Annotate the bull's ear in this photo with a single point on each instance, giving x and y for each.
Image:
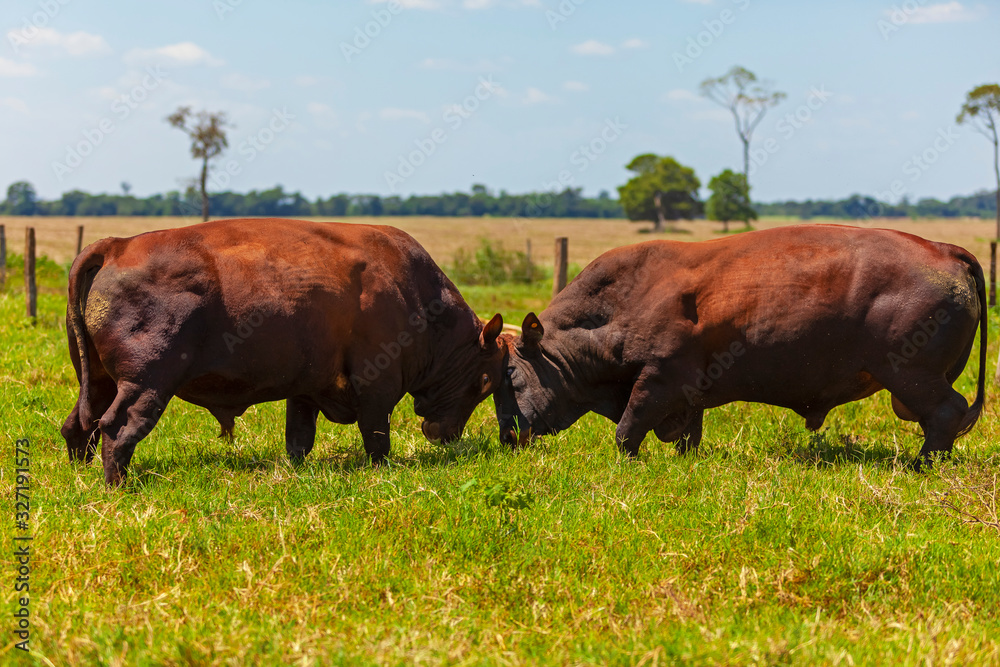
(488, 337)
(531, 329)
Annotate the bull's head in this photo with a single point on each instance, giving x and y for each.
(532, 399)
(473, 373)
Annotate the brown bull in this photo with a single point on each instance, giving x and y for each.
(334, 318)
(807, 317)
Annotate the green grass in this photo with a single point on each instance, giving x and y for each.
(770, 546)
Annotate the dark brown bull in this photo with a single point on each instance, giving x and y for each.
(806, 317)
(334, 318)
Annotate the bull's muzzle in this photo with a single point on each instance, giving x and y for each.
(513, 434)
(437, 432)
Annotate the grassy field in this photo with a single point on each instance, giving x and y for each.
(770, 546)
(56, 237)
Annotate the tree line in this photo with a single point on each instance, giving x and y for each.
(276, 202)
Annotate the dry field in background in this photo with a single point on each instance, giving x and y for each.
(588, 238)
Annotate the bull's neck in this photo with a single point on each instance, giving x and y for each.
(443, 349)
(590, 362)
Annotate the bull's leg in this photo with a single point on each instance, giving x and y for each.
(683, 429)
(81, 429)
(938, 409)
(941, 427)
(300, 426)
(691, 438)
(649, 401)
(373, 422)
(131, 417)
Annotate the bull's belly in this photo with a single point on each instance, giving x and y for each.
(803, 395)
(232, 395)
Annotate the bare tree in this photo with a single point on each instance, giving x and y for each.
(982, 111)
(747, 99)
(208, 139)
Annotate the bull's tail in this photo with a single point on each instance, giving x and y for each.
(976, 409)
(81, 277)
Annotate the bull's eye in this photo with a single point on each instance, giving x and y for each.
(486, 381)
(510, 372)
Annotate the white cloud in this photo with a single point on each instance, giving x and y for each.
(410, 4)
(945, 12)
(14, 103)
(75, 44)
(681, 95)
(576, 87)
(324, 116)
(593, 48)
(11, 68)
(394, 114)
(244, 83)
(464, 4)
(635, 43)
(534, 96)
(488, 4)
(178, 55)
(307, 80)
(714, 115)
(446, 64)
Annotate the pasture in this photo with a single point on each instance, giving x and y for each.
(771, 545)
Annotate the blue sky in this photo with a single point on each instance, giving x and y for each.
(522, 95)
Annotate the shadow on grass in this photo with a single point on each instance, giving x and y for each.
(825, 449)
(346, 459)
(736, 230)
(835, 449)
(668, 230)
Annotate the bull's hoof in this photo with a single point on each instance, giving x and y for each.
(683, 448)
(297, 457)
(115, 480)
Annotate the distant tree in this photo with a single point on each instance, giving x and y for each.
(982, 111)
(126, 187)
(730, 199)
(21, 199)
(207, 132)
(663, 190)
(747, 99)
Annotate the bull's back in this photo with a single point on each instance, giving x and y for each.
(802, 272)
(816, 310)
(255, 303)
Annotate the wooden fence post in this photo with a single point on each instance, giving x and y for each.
(3, 257)
(529, 268)
(993, 273)
(30, 286)
(79, 239)
(562, 258)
